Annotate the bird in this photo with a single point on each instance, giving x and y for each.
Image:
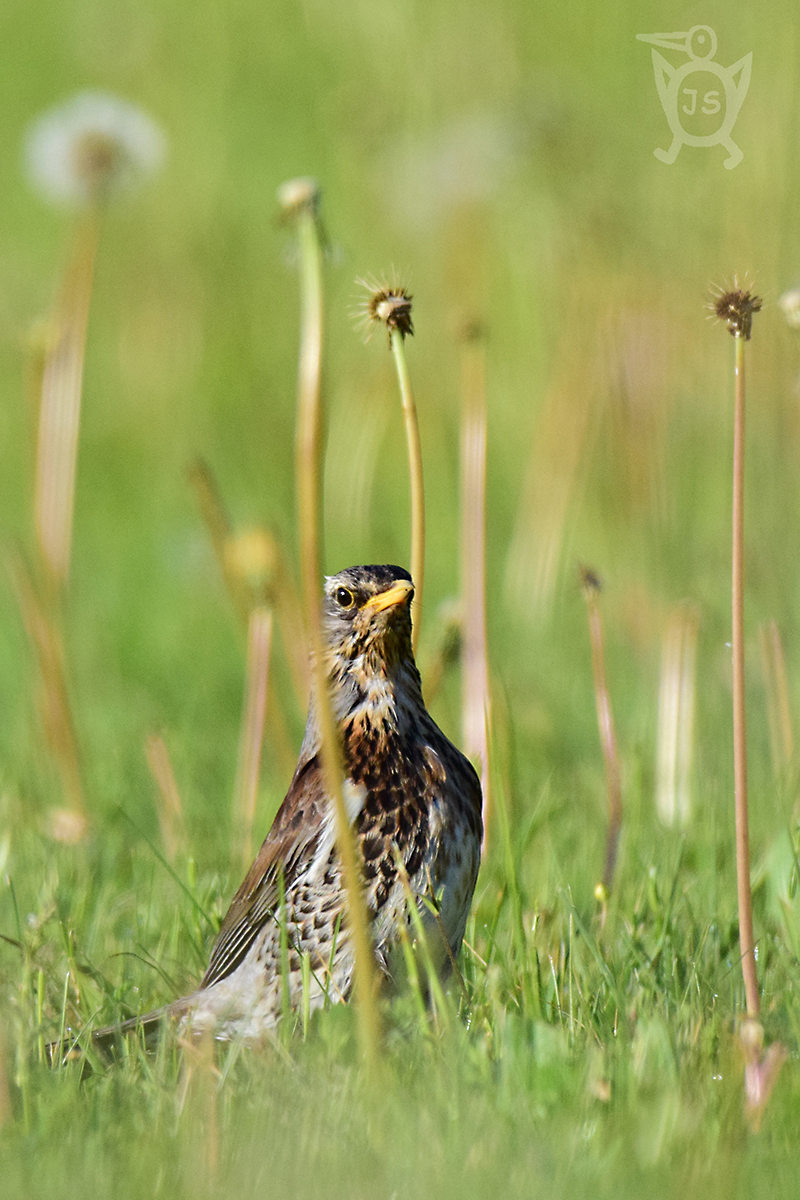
(414, 802)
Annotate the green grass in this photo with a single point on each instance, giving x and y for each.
(579, 1062)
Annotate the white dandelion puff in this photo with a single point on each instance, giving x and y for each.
(92, 146)
(789, 303)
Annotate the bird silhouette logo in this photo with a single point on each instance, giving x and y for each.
(701, 99)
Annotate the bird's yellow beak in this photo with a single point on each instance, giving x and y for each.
(398, 593)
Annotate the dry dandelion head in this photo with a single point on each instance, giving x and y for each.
(735, 306)
(386, 304)
(589, 579)
(91, 147)
(298, 195)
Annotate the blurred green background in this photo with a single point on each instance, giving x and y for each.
(498, 158)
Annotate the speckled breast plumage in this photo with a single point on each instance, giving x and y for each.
(415, 804)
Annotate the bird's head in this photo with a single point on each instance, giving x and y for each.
(367, 631)
(366, 618)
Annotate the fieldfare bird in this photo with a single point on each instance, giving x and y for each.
(413, 799)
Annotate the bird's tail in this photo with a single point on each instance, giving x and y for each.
(107, 1042)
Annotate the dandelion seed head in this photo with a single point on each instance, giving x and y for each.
(91, 147)
(297, 194)
(386, 304)
(589, 579)
(735, 306)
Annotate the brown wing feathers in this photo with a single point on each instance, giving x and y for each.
(289, 843)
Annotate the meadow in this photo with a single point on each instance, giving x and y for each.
(498, 158)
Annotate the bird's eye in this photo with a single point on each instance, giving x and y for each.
(344, 597)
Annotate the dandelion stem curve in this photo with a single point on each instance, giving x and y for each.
(397, 342)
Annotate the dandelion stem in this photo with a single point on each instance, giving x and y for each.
(476, 697)
(251, 734)
(777, 688)
(309, 421)
(746, 938)
(59, 727)
(308, 493)
(397, 341)
(60, 407)
(170, 809)
(676, 716)
(605, 723)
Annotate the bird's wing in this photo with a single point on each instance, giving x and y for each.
(290, 843)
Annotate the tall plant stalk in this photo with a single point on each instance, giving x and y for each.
(746, 936)
(397, 339)
(777, 687)
(251, 733)
(170, 809)
(736, 309)
(60, 408)
(391, 306)
(301, 198)
(476, 696)
(69, 823)
(761, 1068)
(605, 724)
